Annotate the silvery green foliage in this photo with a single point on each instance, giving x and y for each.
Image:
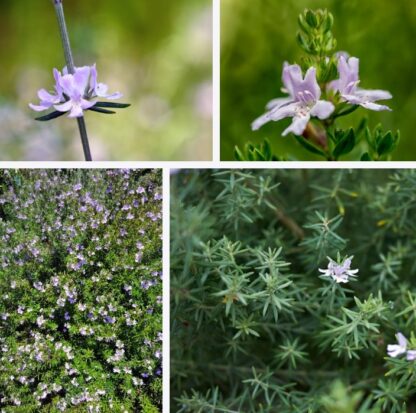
(80, 282)
(256, 327)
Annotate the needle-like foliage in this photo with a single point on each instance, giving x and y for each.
(257, 327)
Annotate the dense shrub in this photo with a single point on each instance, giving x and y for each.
(256, 327)
(80, 281)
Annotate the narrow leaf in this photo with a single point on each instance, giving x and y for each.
(50, 116)
(107, 112)
(111, 105)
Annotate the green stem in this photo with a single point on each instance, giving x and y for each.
(71, 69)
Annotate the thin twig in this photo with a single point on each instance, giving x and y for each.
(71, 69)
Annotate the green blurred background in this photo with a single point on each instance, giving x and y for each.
(258, 36)
(158, 53)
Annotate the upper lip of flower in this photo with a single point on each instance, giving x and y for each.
(302, 103)
(395, 350)
(74, 93)
(347, 86)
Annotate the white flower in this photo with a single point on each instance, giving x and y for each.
(339, 272)
(394, 350)
(40, 321)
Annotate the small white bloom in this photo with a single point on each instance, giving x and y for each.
(339, 272)
(40, 321)
(394, 350)
(411, 355)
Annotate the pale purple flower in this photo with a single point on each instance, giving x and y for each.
(74, 93)
(394, 350)
(339, 272)
(40, 321)
(109, 320)
(347, 86)
(302, 103)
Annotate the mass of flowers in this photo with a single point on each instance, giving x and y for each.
(81, 291)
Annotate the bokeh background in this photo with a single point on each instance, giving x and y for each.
(158, 53)
(258, 36)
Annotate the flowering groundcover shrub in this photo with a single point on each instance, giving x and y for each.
(293, 291)
(80, 281)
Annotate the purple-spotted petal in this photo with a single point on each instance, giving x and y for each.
(322, 109)
(304, 90)
(298, 125)
(311, 84)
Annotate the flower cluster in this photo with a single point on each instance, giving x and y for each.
(80, 317)
(304, 101)
(75, 93)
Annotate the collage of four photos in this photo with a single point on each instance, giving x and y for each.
(207, 206)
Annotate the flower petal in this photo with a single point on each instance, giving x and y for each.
(275, 114)
(93, 77)
(101, 90)
(45, 96)
(298, 125)
(81, 79)
(38, 108)
(291, 76)
(401, 339)
(375, 106)
(373, 95)
(322, 110)
(76, 111)
(67, 84)
(64, 107)
(86, 104)
(311, 84)
(113, 96)
(278, 102)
